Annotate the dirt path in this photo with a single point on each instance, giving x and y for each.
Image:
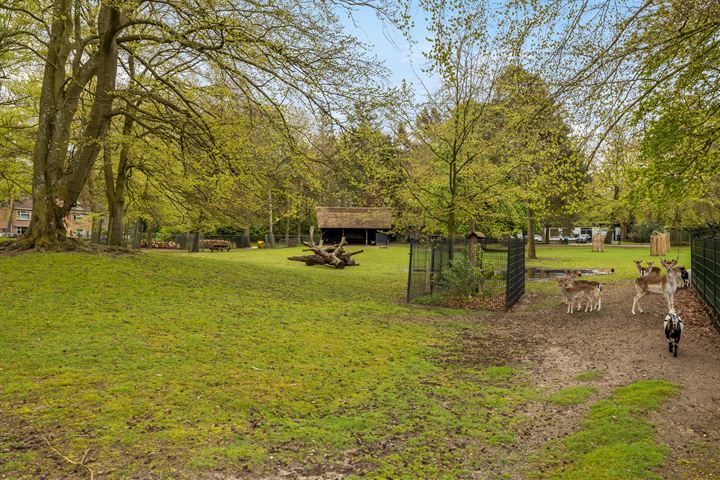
(628, 348)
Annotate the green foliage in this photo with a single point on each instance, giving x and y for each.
(461, 278)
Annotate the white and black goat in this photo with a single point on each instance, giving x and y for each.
(685, 276)
(673, 331)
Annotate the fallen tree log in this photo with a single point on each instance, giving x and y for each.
(333, 256)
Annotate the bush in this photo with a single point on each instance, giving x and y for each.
(461, 278)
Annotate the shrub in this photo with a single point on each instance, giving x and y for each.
(461, 278)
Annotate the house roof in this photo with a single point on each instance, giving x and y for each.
(354, 217)
(24, 204)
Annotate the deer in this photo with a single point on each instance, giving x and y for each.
(577, 291)
(642, 271)
(658, 285)
(652, 270)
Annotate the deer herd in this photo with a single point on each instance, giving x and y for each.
(651, 280)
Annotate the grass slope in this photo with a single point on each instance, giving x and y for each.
(243, 362)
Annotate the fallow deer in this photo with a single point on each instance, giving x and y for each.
(642, 271)
(577, 291)
(659, 285)
(652, 270)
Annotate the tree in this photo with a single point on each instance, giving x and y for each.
(530, 135)
(648, 65)
(290, 50)
(449, 176)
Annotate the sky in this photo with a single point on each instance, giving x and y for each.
(404, 59)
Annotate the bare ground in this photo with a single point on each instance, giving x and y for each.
(627, 348)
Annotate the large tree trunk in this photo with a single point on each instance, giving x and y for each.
(623, 230)
(57, 178)
(195, 242)
(531, 233)
(115, 187)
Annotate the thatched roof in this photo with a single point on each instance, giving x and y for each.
(354, 217)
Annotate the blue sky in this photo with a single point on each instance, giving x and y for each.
(403, 58)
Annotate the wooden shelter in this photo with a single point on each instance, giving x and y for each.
(359, 225)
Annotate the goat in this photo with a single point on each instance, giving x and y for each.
(576, 292)
(642, 271)
(659, 285)
(685, 275)
(674, 328)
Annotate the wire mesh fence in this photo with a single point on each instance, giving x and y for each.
(459, 267)
(705, 270)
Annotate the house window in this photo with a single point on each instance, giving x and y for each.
(24, 214)
(586, 231)
(78, 216)
(79, 233)
(20, 230)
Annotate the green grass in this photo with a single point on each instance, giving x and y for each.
(571, 395)
(242, 364)
(246, 363)
(620, 258)
(615, 441)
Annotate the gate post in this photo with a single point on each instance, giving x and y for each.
(410, 268)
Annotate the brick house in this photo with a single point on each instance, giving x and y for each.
(15, 219)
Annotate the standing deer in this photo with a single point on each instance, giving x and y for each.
(579, 291)
(652, 270)
(642, 271)
(659, 285)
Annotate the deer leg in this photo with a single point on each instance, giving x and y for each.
(636, 301)
(669, 300)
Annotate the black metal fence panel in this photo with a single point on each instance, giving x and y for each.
(486, 266)
(515, 272)
(705, 271)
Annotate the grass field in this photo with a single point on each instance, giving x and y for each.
(244, 363)
(619, 258)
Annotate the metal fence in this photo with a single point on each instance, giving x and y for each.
(515, 287)
(486, 265)
(705, 270)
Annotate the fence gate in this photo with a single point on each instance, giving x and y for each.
(705, 271)
(515, 287)
(501, 264)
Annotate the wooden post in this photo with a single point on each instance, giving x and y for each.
(366, 237)
(472, 241)
(598, 243)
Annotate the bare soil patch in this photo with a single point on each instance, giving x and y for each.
(626, 348)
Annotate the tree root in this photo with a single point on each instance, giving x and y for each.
(80, 463)
(26, 244)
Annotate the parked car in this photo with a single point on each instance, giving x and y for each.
(567, 239)
(583, 238)
(538, 238)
